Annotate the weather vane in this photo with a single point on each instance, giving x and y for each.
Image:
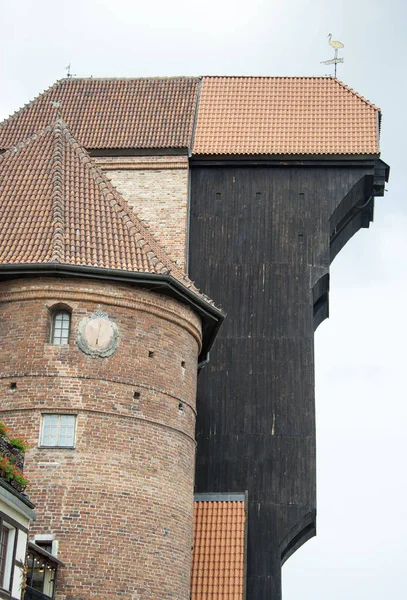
(68, 71)
(335, 60)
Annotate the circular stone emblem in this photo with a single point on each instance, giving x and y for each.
(97, 335)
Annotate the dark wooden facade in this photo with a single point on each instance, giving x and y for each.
(262, 237)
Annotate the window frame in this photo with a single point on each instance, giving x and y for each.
(42, 539)
(49, 580)
(7, 574)
(4, 546)
(42, 430)
(54, 311)
(54, 329)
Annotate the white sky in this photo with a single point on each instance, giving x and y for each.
(361, 547)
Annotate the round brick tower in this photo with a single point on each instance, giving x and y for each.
(101, 334)
(119, 500)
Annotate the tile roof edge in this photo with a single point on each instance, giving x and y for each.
(24, 143)
(149, 148)
(156, 77)
(125, 275)
(267, 77)
(355, 93)
(26, 106)
(279, 156)
(220, 497)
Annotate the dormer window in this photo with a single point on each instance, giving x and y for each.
(61, 324)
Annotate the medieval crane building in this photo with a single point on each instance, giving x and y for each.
(137, 216)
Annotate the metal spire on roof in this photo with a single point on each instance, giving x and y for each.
(68, 71)
(335, 60)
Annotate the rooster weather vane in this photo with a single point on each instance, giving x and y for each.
(335, 60)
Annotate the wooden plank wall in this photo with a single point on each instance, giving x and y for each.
(259, 242)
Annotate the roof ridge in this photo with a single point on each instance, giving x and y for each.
(163, 77)
(267, 77)
(355, 93)
(58, 196)
(26, 106)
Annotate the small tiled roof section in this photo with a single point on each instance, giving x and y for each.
(112, 113)
(56, 206)
(284, 116)
(219, 550)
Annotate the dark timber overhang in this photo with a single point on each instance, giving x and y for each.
(300, 534)
(270, 160)
(355, 212)
(167, 285)
(357, 207)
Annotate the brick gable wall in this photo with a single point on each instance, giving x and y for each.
(157, 189)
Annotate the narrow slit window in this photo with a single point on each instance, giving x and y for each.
(61, 327)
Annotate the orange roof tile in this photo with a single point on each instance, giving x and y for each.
(112, 113)
(219, 550)
(56, 206)
(282, 116)
(234, 115)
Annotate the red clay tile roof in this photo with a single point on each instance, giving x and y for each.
(234, 115)
(56, 206)
(283, 115)
(219, 550)
(112, 113)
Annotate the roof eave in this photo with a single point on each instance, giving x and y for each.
(284, 159)
(211, 317)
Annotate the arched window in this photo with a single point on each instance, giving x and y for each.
(61, 324)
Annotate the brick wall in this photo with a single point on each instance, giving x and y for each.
(121, 503)
(157, 188)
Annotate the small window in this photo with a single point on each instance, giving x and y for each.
(47, 542)
(61, 323)
(58, 431)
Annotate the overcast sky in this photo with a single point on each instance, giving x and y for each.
(361, 548)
